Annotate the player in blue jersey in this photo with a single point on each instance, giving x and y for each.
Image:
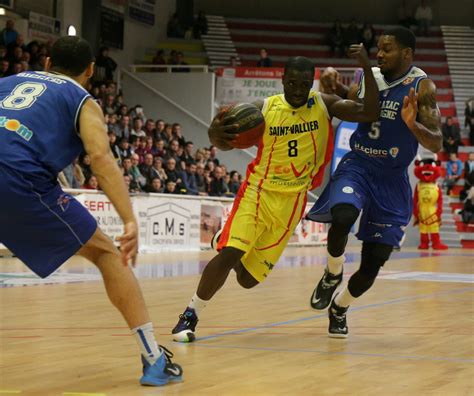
(372, 178)
(46, 120)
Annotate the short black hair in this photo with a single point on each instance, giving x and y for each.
(299, 63)
(404, 36)
(71, 55)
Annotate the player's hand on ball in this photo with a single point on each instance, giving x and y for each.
(222, 131)
(329, 80)
(357, 51)
(410, 108)
(129, 243)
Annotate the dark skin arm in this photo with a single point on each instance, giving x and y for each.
(423, 106)
(350, 110)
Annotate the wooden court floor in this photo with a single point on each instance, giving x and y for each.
(411, 334)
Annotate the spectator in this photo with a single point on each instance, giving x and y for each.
(123, 129)
(180, 62)
(33, 50)
(72, 176)
(336, 39)
(423, 16)
(453, 172)
(3, 52)
(189, 179)
(469, 120)
(177, 132)
(135, 171)
(171, 172)
(201, 180)
(157, 169)
(132, 186)
(40, 63)
(18, 43)
(367, 35)
(467, 214)
(125, 151)
(91, 183)
(167, 134)
(172, 151)
(138, 128)
(200, 25)
(17, 68)
(159, 128)
(15, 55)
(468, 176)
(352, 34)
(187, 155)
(170, 187)
(233, 61)
(104, 66)
(213, 155)
(109, 105)
(5, 68)
(113, 125)
(174, 28)
(146, 168)
(85, 164)
(159, 59)
(265, 60)
(405, 16)
(122, 111)
(24, 65)
(218, 188)
(451, 136)
(234, 184)
(113, 146)
(159, 148)
(137, 111)
(149, 128)
(155, 186)
(8, 34)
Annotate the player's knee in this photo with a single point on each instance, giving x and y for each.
(244, 278)
(98, 246)
(230, 257)
(360, 282)
(343, 217)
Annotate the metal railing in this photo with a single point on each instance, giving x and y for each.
(168, 68)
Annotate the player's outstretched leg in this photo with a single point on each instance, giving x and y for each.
(343, 218)
(212, 279)
(124, 292)
(374, 256)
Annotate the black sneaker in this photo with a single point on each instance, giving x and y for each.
(184, 329)
(321, 297)
(337, 321)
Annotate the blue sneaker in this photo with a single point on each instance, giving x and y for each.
(186, 326)
(162, 372)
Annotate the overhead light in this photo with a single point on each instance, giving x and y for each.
(2, 11)
(71, 30)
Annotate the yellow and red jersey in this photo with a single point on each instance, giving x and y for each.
(295, 148)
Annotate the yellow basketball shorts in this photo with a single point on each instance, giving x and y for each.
(260, 224)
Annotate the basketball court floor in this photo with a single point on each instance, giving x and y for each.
(411, 334)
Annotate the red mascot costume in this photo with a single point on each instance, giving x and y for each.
(428, 203)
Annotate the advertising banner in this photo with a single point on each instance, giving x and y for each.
(249, 84)
(167, 223)
(142, 11)
(43, 27)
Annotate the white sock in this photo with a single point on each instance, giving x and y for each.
(335, 264)
(197, 304)
(146, 341)
(344, 298)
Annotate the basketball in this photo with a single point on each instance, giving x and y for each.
(251, 124)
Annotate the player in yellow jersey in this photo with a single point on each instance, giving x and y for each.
(296, 146)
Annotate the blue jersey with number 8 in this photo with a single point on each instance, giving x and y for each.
(38, 124)
(388, 143)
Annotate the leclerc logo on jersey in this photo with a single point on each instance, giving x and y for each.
(394, 152)
(15, 126)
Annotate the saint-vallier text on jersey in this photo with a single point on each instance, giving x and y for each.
(294, 129)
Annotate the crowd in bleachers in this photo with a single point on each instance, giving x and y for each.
(153, 154)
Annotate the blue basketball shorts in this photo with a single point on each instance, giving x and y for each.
(43, 228)
(383, 195)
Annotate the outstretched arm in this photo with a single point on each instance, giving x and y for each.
(423, 106)
(350, 110)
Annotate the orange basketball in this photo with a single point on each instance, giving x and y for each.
(251, 124)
